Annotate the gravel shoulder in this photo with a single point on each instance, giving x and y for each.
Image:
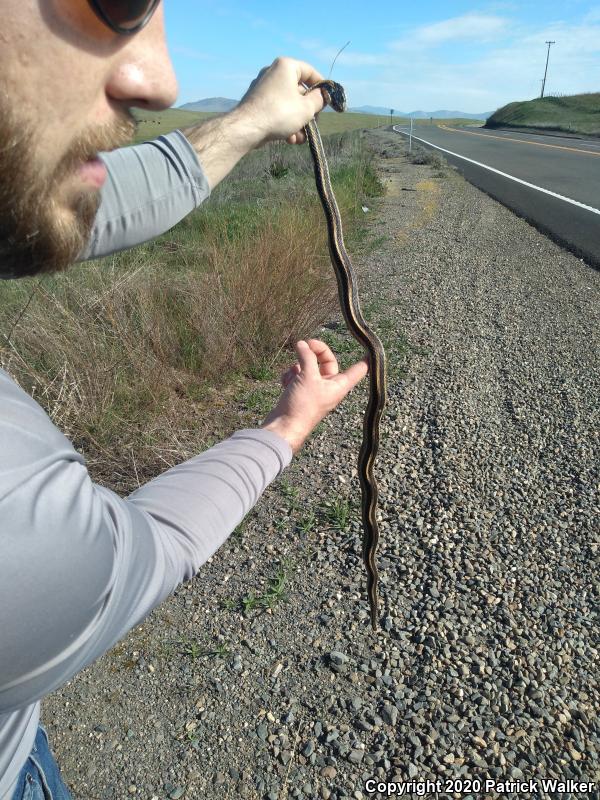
(486, 666)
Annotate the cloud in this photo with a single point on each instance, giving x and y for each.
(417, 72)
(326, 54)
(480, 27)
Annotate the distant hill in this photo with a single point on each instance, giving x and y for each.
(214, 104)
(384, 111)
(226, 104)
(210, 104)
(575, 113)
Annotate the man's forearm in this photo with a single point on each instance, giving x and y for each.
(274, 108)
(220, 142)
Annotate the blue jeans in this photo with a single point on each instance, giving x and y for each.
(40, 777)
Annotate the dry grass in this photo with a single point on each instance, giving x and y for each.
(151, 351)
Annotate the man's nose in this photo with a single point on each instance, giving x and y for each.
(143, 74)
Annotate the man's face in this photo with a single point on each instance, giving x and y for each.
(66, 85)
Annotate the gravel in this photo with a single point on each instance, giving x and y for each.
(486, 663)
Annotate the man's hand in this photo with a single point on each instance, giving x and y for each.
(274, 107)
(277, 106)
(312, 388)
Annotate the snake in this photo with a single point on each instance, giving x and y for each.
(335, 96)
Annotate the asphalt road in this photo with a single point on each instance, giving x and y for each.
(552, 165)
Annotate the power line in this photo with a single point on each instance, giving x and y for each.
(546, 70)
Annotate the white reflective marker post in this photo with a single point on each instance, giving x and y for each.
(410, 137)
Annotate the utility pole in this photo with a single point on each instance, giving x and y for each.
(546, 70)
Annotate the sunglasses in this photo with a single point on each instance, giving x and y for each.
(124, 16)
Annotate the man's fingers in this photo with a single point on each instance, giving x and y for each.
(327, 361)
(297, 138)
(306, 357)
(307, 73)
(316, 359)
(351, 376)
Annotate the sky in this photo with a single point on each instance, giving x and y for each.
(420, 55)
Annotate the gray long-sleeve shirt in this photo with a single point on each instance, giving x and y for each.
(79, 565)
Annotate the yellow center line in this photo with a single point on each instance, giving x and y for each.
(522, 141)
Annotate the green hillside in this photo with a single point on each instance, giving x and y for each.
(576, 113)
(153, 123)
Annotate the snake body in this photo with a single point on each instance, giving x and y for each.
(334, 95)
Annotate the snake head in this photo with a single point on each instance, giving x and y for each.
(333, 94)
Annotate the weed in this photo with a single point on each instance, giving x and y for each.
(420, 155)
(291, 493)
(249, 603)
(261, 371)
(278, 169)
(275, 592)
(337, 511)
(192, 649)
(307, 522)
(221, 651)
(195, 649)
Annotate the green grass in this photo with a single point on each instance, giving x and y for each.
(338, 510)
(154, 123)
(275, 593)
(261, 371)
(261, 401)
(287, 490)
(306, 523)
(577, 113)
(291, 494)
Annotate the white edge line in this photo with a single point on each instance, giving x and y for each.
(504, 174)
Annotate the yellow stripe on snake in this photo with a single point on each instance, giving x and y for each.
(334, 95)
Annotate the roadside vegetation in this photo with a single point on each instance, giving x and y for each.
(146, 357)
(577, 113)
(153, 123)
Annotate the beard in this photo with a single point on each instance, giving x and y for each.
(44, 227)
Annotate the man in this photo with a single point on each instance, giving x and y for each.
(80, 566)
